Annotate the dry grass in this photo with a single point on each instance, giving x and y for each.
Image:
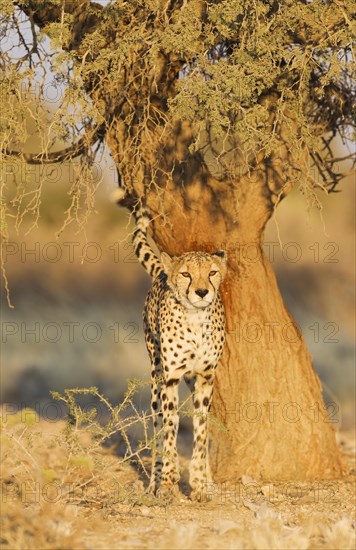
(60, 489)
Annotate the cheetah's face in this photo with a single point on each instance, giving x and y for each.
(195, 277)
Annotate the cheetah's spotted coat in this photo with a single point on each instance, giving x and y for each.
(184, 328)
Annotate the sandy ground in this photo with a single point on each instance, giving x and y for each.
(61, 490)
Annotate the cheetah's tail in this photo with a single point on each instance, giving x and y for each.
(143, 250)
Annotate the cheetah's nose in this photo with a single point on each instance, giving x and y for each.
(202, 292)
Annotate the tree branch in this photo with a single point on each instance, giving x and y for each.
(68, 153)
(86, 15)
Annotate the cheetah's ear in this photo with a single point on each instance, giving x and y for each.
(167, 262)
(221, 254)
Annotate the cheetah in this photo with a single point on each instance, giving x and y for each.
(184, 325)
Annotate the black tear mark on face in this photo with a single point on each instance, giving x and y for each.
(187, 291)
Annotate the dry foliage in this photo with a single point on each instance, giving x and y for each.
(247, 84)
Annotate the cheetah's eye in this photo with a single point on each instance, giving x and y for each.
(212, 273)
(185, 274)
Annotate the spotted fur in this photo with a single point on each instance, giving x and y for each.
(184, 328)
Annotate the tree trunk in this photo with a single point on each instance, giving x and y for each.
(266, 394)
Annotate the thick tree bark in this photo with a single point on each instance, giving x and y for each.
(266, 392)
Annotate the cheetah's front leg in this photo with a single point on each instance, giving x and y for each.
(170, 469)
(199, 471)
(156, 381)
(157, 444)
